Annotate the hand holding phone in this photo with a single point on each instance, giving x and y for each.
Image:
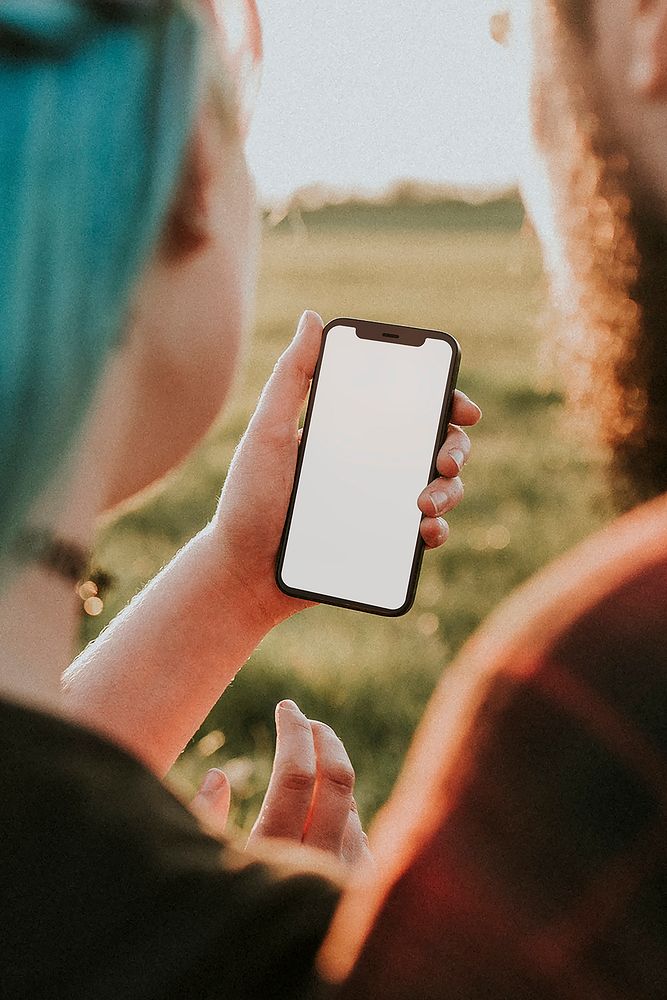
(378, 412)
(247, 528)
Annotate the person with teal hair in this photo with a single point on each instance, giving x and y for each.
(128, 233)
(84, 193)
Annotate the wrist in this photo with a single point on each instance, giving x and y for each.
(250, 603)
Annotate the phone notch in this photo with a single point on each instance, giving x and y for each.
(367, 330)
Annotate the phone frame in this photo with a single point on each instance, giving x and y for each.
(388, 333)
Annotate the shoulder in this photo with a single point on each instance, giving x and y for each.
(126, 894)
(625, 562)
(591, 624)
(68, 785)
(534, 790)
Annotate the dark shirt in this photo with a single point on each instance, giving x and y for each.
(109, 889)
(532, 863)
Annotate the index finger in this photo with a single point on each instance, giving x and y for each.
(288, 799)
(464, 411)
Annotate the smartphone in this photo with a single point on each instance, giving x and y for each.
(378, 412)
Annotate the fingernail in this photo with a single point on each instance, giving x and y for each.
(213, 782)
(458, 457)
(439, 500)
(302, 321)
(289, 706)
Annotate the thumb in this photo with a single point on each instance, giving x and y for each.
(285, 393)
(211, 803)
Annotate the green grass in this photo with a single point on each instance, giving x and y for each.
(532, 490)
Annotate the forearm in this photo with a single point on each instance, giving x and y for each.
(152, 676)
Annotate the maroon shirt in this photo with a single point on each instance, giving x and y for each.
(525, 851)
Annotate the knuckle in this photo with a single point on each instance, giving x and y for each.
(268, 826)
(340, 778)
(297, 779)
(289, 365)
(281, 365)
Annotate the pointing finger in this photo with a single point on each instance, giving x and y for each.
(288, 800)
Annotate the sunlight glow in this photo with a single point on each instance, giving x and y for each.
(360, 95)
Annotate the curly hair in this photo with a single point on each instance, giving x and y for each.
(615, 246)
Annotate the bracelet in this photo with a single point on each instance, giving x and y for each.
(67, 560)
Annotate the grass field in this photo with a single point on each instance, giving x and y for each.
(531, 488)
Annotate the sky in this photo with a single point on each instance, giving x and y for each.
(360, 93)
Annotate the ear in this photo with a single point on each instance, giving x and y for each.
(648, 49)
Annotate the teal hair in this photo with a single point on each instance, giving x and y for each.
(96, 108)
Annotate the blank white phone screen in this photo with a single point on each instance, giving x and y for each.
(367, 458)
